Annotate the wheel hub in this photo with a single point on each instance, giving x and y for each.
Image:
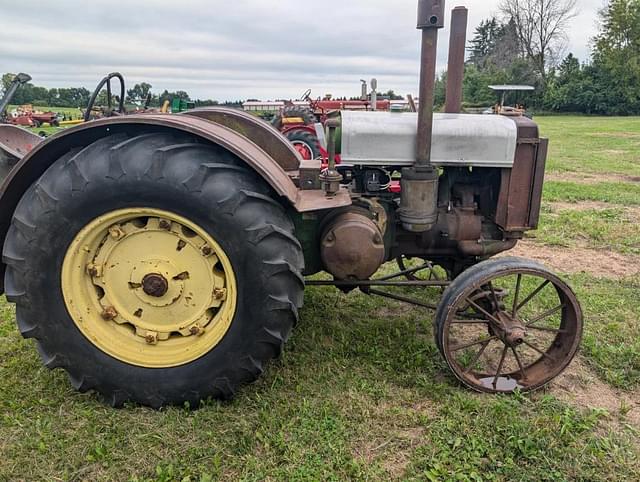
(155, 285)
(511, 331)
(149, 287)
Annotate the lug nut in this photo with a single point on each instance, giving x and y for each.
(164, 224)
(116, 232)
(151, 338)
(206, 250)
(109, 313)
(93, 270)
(195, 330)
(219, 293)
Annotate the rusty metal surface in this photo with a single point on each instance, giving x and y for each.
(352, 247)
(430, 19)
(457, 51)
(427, 85)
(262, 134)
(499, 336)
(431, 13)
(35, 163)
(317, 200)
(538, 183)
(17, 142)
(521, 187)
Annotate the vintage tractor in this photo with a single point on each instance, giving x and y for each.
(161, 259)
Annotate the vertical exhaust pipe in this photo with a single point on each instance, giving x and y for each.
(457, 49)
(419, 200)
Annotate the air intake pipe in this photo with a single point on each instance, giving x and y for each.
(419, 200)
(457, 50)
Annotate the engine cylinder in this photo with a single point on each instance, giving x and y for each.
(352, 247)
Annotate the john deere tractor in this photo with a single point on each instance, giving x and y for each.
(162, 259)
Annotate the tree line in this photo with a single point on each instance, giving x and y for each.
(79, 96)
(526, 45)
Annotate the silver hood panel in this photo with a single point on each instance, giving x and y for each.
(389, 139)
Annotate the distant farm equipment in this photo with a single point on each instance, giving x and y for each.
(27, 116)
(501, 107)
(24, 115)
(297, 121)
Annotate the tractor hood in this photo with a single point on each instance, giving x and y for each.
(389, 139)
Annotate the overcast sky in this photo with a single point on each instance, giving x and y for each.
(233, 49)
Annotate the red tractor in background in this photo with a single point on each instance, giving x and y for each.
(298, 123)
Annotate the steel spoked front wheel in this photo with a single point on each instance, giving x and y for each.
(508, 324)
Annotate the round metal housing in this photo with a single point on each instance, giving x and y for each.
(352, 247)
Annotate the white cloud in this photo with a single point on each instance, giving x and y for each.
(231, 49)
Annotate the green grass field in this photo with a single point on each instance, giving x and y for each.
(361, 392)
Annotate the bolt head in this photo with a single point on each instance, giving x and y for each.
(116, 232)
(164, 224)
(151, 338)
(219, 293)
(206, 250)
(109, 313)
(92, 270)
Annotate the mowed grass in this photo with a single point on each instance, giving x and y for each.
(361, 392)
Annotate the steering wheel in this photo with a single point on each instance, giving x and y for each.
(306, 95)
(107, 81)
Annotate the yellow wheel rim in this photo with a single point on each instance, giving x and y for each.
(149, 287)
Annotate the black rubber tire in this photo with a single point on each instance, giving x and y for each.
(305, 113)
(303, 137)
(201, 182)
(54, 123)
(36, 123)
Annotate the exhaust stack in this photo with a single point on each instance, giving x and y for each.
(19, 80)
(419, 201)
(455, 71)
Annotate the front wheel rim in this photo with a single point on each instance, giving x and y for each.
(149, 287)
(515, 330)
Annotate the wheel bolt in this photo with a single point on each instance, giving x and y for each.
(164, 224)
(219, 293)
(151, 338)
(195, 330)
(109, 313)
(93, 270)
(206, 250)
(116, 232)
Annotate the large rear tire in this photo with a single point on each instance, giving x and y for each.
(154, 269)
(305, 143)
(305, 113)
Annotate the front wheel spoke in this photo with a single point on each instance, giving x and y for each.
(473, 343)
(500, 365)
(477, 357)
(483, 311)
(548, 330)
(520, 365)
(516, 296)
(470, 322)
(546, 355)
(532, 295)
(494, 296)
(545, 315)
